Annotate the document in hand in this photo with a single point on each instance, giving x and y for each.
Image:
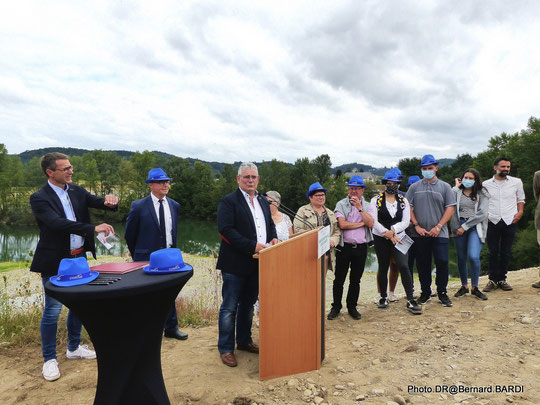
(404, 243)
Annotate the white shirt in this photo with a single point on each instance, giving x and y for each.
(258, 216)
(399, 227)
(75, 241)
(504, 196)
(168, 217)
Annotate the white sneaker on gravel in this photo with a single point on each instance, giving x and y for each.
(50, 370)
(82, 352)
(376, 299)
(392, 297)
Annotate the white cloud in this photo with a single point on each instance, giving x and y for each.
(370, 81)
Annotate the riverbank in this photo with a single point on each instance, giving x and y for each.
(388, 354)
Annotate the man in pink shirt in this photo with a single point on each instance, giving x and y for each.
(355, 222)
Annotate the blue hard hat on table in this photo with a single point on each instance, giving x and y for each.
(412, 180)
(157, 174)
(315, 187)
(165, 261)
(356, 181)
(73, 272)
(392, 175)
(428, 160)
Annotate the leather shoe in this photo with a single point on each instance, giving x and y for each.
(228, 359)
(250, 347)
(177, 334)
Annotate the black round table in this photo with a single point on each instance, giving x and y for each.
(125, 321)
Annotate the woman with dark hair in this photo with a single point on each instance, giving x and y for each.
(469, 226)
(391, 212)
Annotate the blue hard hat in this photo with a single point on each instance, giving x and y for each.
(392, 175)
(428, 160)
(315, 187)
(412, 180)
(157, 174)
(356, 181)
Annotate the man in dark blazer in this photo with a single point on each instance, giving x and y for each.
(246, 227)
(65, 231)
(152, 224)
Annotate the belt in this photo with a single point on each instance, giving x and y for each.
(354, 245)
(76, 251)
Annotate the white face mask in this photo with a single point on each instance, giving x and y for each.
(428, 174)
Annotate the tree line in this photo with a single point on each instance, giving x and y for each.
(198, 188)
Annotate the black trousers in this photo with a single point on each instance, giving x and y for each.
(384, 248)
(500, 238)
(353, 256)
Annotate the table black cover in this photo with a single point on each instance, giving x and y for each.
(125, 322)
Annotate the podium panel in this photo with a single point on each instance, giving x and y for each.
(290, 320)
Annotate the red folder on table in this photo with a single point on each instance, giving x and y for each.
(118, 268)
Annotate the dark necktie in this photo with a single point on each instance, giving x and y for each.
(162, 225)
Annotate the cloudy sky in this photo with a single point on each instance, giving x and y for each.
(363, 81)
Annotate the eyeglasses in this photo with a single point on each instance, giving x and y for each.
(319, 195)
(65, 169)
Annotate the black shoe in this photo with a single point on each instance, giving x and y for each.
(424, 298)
(462, 291)
(383, 303)
(354, 313)
(478, 294)
(444, 300)
(176, 334)
(413, 307)
(333, 314)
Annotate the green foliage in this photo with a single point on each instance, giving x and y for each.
(525, 249)
(409, 167)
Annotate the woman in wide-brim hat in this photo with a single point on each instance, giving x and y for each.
(315, 214)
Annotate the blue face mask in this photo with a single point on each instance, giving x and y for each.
(467, 183)
(428, 174)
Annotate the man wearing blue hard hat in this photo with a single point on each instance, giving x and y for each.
(355, 222)
(432, 202)
(151, 225)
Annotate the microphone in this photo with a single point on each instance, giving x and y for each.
(288, 211)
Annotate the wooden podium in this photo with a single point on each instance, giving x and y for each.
(291, 300)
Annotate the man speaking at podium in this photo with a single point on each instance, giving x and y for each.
(246, 227)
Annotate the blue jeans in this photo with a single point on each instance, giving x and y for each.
(239, 294)
(49, 325)
(468, 247)
(426, 247)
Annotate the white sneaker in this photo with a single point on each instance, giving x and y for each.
(392, 297)
(50, 370)
(82, 352)
(376, 299)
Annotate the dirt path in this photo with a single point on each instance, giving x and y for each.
(381, 359)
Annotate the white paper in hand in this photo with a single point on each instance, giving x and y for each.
(108, 241)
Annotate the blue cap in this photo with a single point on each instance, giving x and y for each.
(73, 272)
(412, 180)
(166, 261)
(315, 187)
(157, 175)
(356, 181)
(428, 160)
(392, 175)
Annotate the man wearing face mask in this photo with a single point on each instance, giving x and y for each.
(506, 203)
(432, 205)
